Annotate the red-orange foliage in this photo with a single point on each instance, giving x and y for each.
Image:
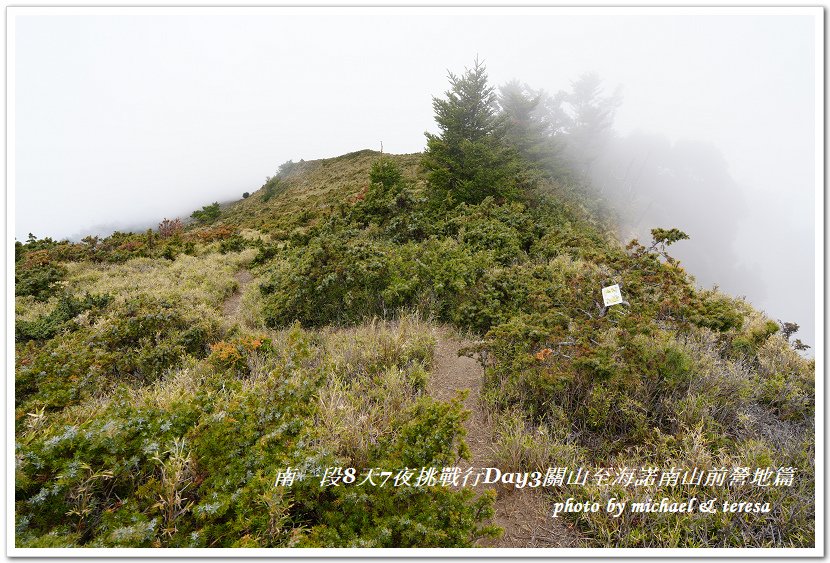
(168, 228)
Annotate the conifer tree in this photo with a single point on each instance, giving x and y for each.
(535, 122)
(469, 160)
(525, 130)
(593, 116)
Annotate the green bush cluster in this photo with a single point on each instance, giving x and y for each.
(39, 268)
(156, 468)
(360, 264)
(716, 312)
(271, 187)
(36, 270)
(59, 318)
(391, 205)
(207, 214)
(39, 281)
(40, 264)
(748, 342)
(137, 341)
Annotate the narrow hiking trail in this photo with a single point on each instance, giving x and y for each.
(230, 308)
(523, 513)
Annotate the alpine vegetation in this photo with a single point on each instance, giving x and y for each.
(264, 375)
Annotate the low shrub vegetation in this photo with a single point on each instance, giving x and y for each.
(161, 393)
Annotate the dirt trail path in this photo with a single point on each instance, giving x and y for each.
(523, 513)
(230, 308)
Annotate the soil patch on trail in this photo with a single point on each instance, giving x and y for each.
(231, 306)
(523, 513)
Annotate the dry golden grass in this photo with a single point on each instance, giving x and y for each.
(521, 447)
(253, 234)
(28, 309)
(251, 304)
(373, 372)
(314, 187)
(196, 281)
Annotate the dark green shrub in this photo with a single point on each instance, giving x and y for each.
(207, 214)
(234, 243)
(58, 320)
(271, 188)
(36, 271)
(391, 204)
(331, 280)
(716, 312)
(135, 342)
(39, 281)
(427, 435)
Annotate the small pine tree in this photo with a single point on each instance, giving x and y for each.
(788, 329)
(469, 160)
(661, 238)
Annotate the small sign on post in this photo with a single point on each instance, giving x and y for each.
(611, 295)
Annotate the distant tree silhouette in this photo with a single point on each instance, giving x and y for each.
(534, 122)
(592, 115)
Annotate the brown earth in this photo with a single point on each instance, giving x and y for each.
(523, 513)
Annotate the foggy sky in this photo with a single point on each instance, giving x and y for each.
(121, 120)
